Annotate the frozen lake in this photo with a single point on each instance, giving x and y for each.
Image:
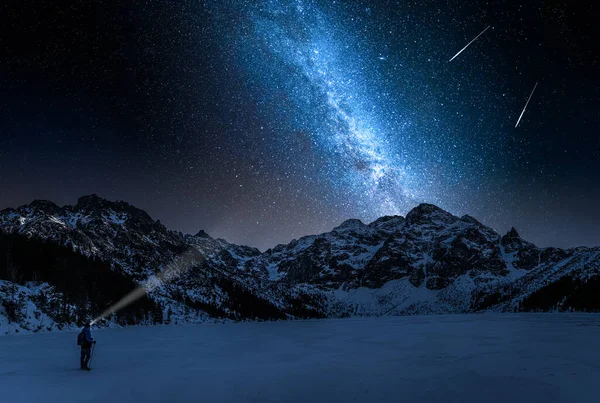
(464, 358)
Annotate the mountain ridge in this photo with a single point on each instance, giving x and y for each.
(430, 261)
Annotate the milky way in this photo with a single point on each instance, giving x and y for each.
(262, 121)
(331, 99)
(335, 91)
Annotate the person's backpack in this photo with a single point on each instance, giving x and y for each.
(80, 338)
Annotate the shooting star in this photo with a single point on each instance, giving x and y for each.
(460, 51)
(525, 107)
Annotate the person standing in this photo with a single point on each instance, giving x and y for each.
(86, 346)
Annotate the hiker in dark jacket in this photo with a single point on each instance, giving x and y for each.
(86, 346)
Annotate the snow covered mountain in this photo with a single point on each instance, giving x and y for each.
(428, 262)
(135, 247)
(112, 231)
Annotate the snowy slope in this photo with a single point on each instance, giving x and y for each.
(521, 358)
(33, 317)
(331, 259)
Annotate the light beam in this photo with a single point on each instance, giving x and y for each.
(176, 268)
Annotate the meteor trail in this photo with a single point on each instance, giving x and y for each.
(467, 45)
(525, 107)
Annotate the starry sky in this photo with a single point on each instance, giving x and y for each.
(263, 121)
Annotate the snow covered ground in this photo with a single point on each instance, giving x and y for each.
(462, 358)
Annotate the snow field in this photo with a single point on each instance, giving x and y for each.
(461, 358)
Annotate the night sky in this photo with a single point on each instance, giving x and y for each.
(262, 121)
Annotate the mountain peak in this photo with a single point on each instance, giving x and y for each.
(45, 205)
(469, 219)
(512, 237)
(95, 204)
(92, 200)
(202, 234)
(512, 234)
(351, 224)
(426, 212)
